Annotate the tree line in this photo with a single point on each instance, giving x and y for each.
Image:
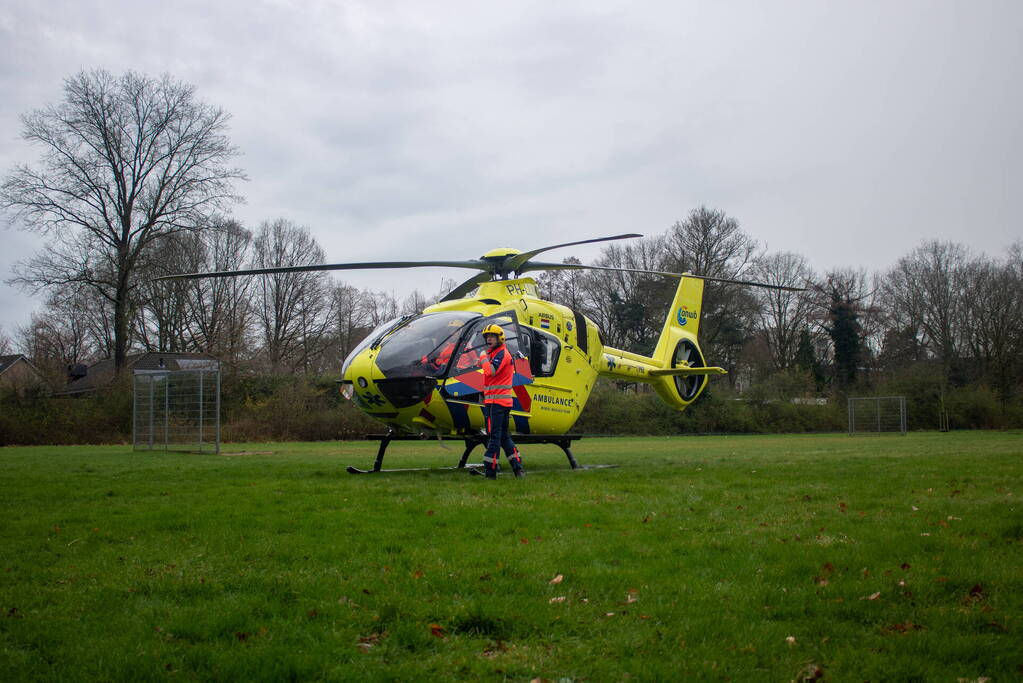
(941, 307)
(135, 181)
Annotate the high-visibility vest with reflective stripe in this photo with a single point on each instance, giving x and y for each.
(498, 372)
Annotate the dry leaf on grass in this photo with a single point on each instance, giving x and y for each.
(904, 628)
(557, 579)
(367, 642)
(811, 672)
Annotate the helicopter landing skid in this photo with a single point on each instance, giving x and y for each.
(471, 441)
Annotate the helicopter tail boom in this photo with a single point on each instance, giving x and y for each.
(677, 369)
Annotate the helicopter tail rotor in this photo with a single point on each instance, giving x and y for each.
(684, 372)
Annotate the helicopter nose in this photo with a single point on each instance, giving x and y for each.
(404, 392)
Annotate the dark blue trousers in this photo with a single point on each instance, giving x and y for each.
(497, 428)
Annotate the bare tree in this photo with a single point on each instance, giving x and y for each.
(59, 336)
(1014, 260)
(126, 160)
(629, 307)
(566, 287)
(709, 242)
(995, 327)
(202, 314)
(381, 307)
(219, 313)
(6, 345)
(352, 317)
(783, 315)
(293, 310)
(161, 317)
(414, 303)
(926, 291)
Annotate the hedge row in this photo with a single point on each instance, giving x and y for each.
(293, 409)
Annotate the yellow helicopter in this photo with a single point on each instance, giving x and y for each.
(418, 374)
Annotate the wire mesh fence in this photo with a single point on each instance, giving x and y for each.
(177, 410)
(877, 415)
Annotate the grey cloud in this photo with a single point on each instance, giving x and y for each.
(845, 131)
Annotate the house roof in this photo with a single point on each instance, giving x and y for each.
(172, 361)
(7, 362)
(101, 373)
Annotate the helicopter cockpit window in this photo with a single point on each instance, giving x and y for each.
(543, 360)
(377, 333)
(473, 344)
(423, 347)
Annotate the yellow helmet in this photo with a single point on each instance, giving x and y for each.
(494, 329)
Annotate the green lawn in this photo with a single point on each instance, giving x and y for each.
(771, 558)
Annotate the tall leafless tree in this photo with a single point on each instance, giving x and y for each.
(219, 313)
(6, 345)
(414, 303)
(59, 336)
(566, 287)
(709, 242)
(161, 318)
(783, 315)
(995, 322)
(927, 291)
(352, 317)
(381, 307)
(291, 309)
(126, 160)
(629, 307)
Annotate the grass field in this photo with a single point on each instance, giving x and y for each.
(770, 558)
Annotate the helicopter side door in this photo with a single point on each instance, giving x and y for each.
(465, 375)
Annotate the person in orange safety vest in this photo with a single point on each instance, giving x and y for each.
(440, 361)
(498, 371)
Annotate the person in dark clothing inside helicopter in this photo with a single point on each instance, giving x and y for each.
(498, 371)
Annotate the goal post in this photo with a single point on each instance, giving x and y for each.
(877, 415)
(177, 410)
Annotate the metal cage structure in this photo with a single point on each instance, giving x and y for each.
(177, 410)
(877, 415)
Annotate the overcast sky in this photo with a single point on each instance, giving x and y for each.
(848, 132)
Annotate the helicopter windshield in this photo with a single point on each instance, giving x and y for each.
(377, 332)
(423, 346)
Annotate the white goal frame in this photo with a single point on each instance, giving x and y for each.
(877, 415)
(177, 410)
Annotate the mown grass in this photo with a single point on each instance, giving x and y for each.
(706, 558)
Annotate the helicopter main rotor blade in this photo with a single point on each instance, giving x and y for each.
(748, 283)
(515, 262)
(467, 286)
(476, 265)
(579, 266)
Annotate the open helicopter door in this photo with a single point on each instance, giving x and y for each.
(465, 376)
